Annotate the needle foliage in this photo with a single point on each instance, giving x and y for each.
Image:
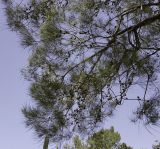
(85, 57)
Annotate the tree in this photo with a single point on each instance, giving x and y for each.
(88, 48)
(76, 144)
(47, 119)
(156, 146)
(103, 139)
(124, 146)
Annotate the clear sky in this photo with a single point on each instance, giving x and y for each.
(14, 94)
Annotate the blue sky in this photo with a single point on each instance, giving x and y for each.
(14, 94)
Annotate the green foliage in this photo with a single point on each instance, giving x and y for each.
(89, 4)
(124, 146)
(103, 139)
(76, 144)
(80, 52)
(48, 32)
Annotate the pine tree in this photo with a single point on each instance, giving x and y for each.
(86, 49)
(156, 146)
(103, 139)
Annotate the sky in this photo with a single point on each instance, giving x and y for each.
(14, 95)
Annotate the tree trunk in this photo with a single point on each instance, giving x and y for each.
(46, 142)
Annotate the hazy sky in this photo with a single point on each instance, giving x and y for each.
(14, 94)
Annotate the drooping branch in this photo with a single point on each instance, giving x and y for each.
(143, 23)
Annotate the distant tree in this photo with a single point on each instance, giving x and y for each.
(76, 144)
(86, 49)
(124, 146)
(156, 146)
(103, 139)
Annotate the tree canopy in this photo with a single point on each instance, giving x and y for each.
(156, 146)
(85, 57)
(103, 139)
